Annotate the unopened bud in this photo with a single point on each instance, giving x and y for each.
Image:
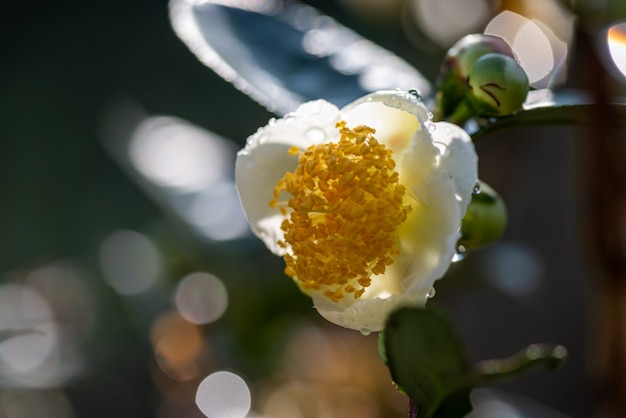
(461, 57)
(498, 85)
(485, 219)
(457, 64)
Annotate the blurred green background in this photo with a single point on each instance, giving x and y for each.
(73, 216)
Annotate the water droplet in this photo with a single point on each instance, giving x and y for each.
(460, 254)
(366, 331)
(431, 127)
(272, 122)
(289, 117)
(431, 293)
(476, 189)
(415, 93)
(315, 134)
(430, 115)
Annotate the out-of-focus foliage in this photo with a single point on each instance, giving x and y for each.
(104, 277)
(595, 14)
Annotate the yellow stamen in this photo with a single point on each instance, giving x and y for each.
(346, 206)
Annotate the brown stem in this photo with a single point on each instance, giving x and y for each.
(412, 409)
(605, 154)
(610, 361)
(607, 158)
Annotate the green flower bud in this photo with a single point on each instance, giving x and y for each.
(452, 79)
(485, 219)
(498, 85)
(461, 57)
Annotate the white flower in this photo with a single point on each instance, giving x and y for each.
(364, 203)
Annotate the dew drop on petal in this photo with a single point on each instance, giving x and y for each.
(430, 115)
(431, 293)
(460, 254)
(315, 134)
(366, 331)
(272, 122)
(476, 189)
(431, 126)
(415, 93)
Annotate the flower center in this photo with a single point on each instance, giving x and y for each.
(346, 205)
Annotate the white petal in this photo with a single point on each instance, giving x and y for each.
(437, 164)
(395, 115)
(265, 160)
(256, 172)
(429, 235)
(458, 158)
(370, 315)
(312, 123)
(395, 99)
(428, 242)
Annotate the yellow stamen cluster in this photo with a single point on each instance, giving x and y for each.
(346, 206)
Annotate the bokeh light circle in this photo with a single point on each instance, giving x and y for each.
(616, 42)
(201, 298)
(531, 43)
(26, 317)
(130, 262)
(173, 153)
(223, 395)
(446, 21)
(178, 346)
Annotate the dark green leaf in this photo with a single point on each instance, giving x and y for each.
(428, 362)
(563, 108)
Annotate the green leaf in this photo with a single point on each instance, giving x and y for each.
(428, 362)
(544, 107)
